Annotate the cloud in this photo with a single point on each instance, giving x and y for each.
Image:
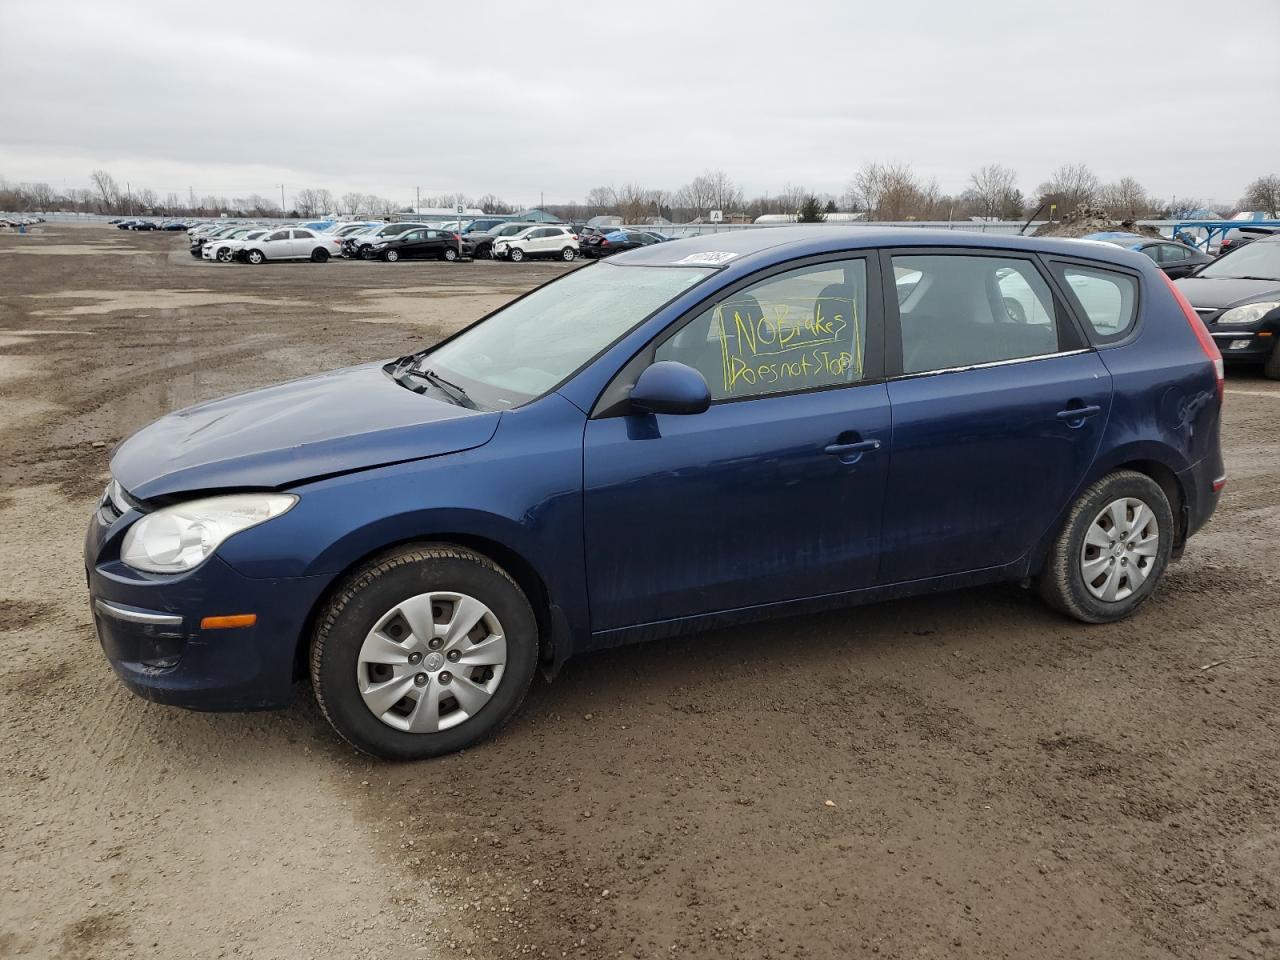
(237, 98)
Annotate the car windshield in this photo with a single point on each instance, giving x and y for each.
(525, 349)
(1259, 260)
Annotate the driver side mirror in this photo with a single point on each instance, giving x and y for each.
(670, 387)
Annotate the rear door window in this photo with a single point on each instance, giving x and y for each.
(961, 310)
(1107, 299)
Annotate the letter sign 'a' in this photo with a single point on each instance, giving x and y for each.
(717, 216)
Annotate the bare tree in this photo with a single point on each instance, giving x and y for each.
(891, 191)
(312, 202)
(1126, 199)
(990, 189)
(1263, 194)
(490, 203)
(107, 189)
(351, 203)
(1070, 186)
(39, 195)
(602, 200)
(712, 190)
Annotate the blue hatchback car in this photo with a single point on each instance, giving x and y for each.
(692, 434)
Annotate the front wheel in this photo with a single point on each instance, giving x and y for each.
(568, 254)
(424, 651)
(1272, 367)
(515, 254)
(1113, 548)
(224, 254)
(255, 257)
(391, 256)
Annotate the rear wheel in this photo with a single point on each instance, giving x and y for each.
(568, 254)
(516, 254)
(1112, 550)
(255, 256)
(450, 254)
(319, 255)
(422, 652)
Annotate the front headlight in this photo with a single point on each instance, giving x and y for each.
(1249, 313)
(182, 537)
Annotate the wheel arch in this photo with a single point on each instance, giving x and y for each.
(1152, 461)
(552, 645)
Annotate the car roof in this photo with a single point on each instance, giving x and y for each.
(766, 244)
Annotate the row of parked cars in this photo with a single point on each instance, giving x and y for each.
(318, 240)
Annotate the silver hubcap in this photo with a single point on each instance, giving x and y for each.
(431, 662)
(1119, 549)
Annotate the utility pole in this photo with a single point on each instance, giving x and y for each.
(417, 203)
(283, 213)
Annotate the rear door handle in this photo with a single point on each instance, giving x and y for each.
(843, 450)
(1079, 413)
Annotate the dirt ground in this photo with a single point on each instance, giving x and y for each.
(967, 775)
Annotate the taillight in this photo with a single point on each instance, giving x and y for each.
(604, 241)
(1202, 334)
(456, 238)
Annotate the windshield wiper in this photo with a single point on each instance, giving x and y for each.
(459, 395)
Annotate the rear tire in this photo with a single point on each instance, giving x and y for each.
(1272, 367)
(319, 255)
(450, 254)
(568, 254)
(1108, 545)
(361, 617)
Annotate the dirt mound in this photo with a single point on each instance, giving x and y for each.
(1084, 220)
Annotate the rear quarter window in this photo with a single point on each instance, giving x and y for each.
(1106, 299)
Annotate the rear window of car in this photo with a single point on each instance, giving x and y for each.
(1107, 299)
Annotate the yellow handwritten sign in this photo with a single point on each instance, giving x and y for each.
(789, 344)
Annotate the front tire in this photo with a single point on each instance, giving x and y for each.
(1271, 369)
(1112, 550)
(391, 256)
(224, 255)
(515, 254)
(423, 651)
(255, 257)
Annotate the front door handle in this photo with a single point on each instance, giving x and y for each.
(852, 452)
(1072, 414)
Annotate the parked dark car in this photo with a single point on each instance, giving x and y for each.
(360, 245)
(484, 225)
(1238, 298)
(421, 244)
(1175, 258)
(173, 225)
(615, 240)
(692, 434)
(143, 225)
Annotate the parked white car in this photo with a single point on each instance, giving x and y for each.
(294, 243)
(542, 241)
(224, 250)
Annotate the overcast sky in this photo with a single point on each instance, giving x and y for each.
(234, 98)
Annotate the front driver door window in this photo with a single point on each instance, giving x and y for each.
(760, 499)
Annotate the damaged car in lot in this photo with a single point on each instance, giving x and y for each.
(692, 434)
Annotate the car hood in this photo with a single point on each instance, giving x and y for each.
(1226, 292)
(336, 422)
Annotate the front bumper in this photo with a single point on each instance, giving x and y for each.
(1246, 344)
(150, 628)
